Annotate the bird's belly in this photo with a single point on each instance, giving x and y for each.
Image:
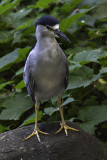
(49, 82)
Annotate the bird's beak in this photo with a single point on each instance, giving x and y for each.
(62, 35)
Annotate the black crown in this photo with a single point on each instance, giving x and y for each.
(47, 20)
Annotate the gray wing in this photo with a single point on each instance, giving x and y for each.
(67, 73)
(66, 65)
(28, 79)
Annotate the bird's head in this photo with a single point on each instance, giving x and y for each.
(50, 24)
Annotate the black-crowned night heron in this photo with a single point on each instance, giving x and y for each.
(46, 69)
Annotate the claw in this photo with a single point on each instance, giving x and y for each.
(36, 132)
(65, 127)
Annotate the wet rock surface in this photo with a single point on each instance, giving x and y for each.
(77, 146)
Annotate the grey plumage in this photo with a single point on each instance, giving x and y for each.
(46, 68)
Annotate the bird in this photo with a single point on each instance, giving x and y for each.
(46, 69)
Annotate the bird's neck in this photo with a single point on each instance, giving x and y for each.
(46, 43)
(45, 39)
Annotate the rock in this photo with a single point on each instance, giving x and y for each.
(76, 146)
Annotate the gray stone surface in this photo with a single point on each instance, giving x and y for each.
(77, 146)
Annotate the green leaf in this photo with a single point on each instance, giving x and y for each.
(92, 2)
(7, 60)
(89, 56)
(15, 106)
(9, 6)
(101, 11)
(25, 25)
(68, 100)
(5, 36)
(95, 33)
(54, 100)
(74, 65)
(91, 116)
(31, 118)
(67, 22)
(20, 85)
(50, 110)
(4, 84)
(2, 129)
(16, 56)
(10, 18)
(42, 4)
(5, 2)
(103, 70)
(20, 14)
(88, 19)
(67, 7)
(81, 77)
(20, 71)
(22, 54)
(17, 37)
(103, 62)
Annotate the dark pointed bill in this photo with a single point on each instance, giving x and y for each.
(62, 35)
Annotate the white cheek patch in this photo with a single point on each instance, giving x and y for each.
(56, 26)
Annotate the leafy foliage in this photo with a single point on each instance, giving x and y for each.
(91, 116)
(82, 76)
(15, 106)
(85, 99)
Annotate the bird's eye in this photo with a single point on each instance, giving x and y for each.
(48, 27)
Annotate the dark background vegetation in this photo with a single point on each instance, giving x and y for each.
(85, 99)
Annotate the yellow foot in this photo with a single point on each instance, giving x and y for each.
(36, 132)
(65, 127)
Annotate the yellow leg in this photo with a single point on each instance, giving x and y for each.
(63, 124)
(36, 129)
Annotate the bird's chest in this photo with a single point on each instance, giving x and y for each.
(48, 66)
(49, 62)
(50, 55)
